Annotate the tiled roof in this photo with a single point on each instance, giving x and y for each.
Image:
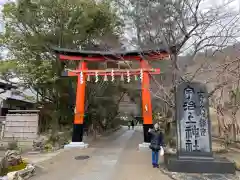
(26, 95)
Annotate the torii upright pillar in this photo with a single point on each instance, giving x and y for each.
(146, 103)
(77, 136)
(146, 106)
(80, 104)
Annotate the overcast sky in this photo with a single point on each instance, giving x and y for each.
(205, 4)
(3, 1)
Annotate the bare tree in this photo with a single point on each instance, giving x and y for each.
(183, 27)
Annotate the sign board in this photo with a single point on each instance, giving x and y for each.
(193, 123)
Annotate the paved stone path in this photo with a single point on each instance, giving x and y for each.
(112, 158)
(195, 176)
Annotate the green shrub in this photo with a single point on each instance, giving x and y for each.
(170, 140)
(48, 147)
(13, 145)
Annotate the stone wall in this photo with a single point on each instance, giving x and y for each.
(21, 125)
(2, 122)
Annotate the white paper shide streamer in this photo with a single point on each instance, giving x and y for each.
(96, 77)
(136, 78)
(128, 77)
(105, 78)
(122, 77)
(141, 74)
(88, 78)
(81, 77)
(112, 75)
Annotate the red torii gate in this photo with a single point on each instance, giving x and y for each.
(98, 56)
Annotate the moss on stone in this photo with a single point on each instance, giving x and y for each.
(18, 167)
(237, 165)
(10, 168)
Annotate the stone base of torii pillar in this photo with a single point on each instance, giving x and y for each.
(77, 138)
(80, 145)
(147, 139)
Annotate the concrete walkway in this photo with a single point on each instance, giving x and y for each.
(111, 158)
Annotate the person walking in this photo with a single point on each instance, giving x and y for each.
(156, 144)
(129, 125)
(132, 124)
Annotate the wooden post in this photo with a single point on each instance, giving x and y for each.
(80, 105)
(146, 103)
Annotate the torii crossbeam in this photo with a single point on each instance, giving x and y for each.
(84, 73)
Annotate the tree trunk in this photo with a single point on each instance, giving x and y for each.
(94, 131)
(234, 123)
(234, 131)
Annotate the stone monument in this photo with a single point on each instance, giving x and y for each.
(194, 145)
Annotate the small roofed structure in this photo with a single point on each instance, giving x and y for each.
(6, 86)
(15, 98)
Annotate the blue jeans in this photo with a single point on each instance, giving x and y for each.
(155, 157)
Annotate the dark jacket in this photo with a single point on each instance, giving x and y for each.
(156, 140)
(132, 123)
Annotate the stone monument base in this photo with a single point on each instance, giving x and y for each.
(217, 165)
(80, 145)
